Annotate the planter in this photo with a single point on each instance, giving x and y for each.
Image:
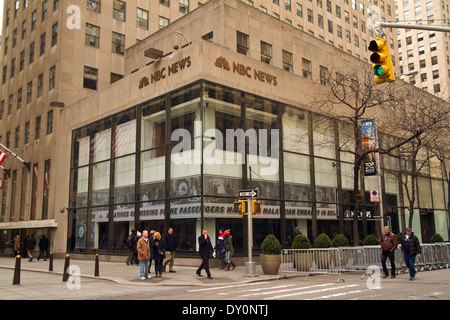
(270, 263)
(322, 259)
(301, 261)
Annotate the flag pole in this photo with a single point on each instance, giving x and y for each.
(26, 164)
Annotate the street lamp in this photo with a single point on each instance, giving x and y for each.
(380, 194)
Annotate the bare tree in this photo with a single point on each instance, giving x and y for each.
(353, 96)
(418, 119)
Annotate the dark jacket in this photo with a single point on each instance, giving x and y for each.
(412, 243)
(171, 243)
(220, 244)
(389, 242)
(43, 243)
(205, 246)
(30, 243)
(229, 243)
(158, 248)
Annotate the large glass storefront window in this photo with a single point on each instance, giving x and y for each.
(179, 160)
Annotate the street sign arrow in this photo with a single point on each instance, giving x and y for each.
(248, 193)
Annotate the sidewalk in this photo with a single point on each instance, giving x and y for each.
(120, 273)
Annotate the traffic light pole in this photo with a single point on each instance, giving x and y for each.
(250, 269)
(380, 24)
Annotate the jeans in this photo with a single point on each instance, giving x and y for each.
(221, 257)
(409, 261)
(143, 268)
(228, 256)
(384, 256)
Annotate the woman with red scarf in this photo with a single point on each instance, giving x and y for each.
(229, 250)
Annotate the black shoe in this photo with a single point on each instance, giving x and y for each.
(209, 277)
(197, 273)
(172, 271)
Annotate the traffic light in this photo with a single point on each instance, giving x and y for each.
(240, 207)
(381, 58)
(256, 207)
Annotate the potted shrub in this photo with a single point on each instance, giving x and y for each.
(301, 257)
(270, 258)
(436, 238)
(371, 240)
(340, 240)
(322, 257)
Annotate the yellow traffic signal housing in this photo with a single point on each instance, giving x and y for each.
(382, 67)
(256, 207)
(240, 207)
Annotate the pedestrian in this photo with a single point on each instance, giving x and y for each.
(30, 243)
(138, 236)
(16, 246)
(388, 245)
(229, 250)
(410, 248)
(144, 255)
(205, 249)
(219, 248)
(130, 243)
(171, 246)
(291, 238)
(151, 237)
(158, 253)
(43, 248)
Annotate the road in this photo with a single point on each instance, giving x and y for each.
(429, 285)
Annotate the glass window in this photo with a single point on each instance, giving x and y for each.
(94, 5)
(90, 78)
(142, 18)
(287, 61)
(119, 10)
(266, 52)
(307, 69)
(118, 43)
(243, 44)
(92, 35)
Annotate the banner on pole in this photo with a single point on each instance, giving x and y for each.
(368, 144)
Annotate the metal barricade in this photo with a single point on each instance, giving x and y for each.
(442, 255)
(353, 259)
(373, 255)
(429, 256)
(311, 261)
(373, 258)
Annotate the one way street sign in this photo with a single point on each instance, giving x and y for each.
(248, 193)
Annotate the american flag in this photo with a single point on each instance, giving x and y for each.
(122, 137)
(98, 142)
(35, 179)
(47, 178)
(2, 157)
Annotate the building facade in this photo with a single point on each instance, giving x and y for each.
(422, 50)
(173, 140)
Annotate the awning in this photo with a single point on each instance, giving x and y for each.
(31, 224)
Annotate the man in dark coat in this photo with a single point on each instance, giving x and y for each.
(43, 247)
(205, 249)
(410, 248)
(30, 243)
(171, 247)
